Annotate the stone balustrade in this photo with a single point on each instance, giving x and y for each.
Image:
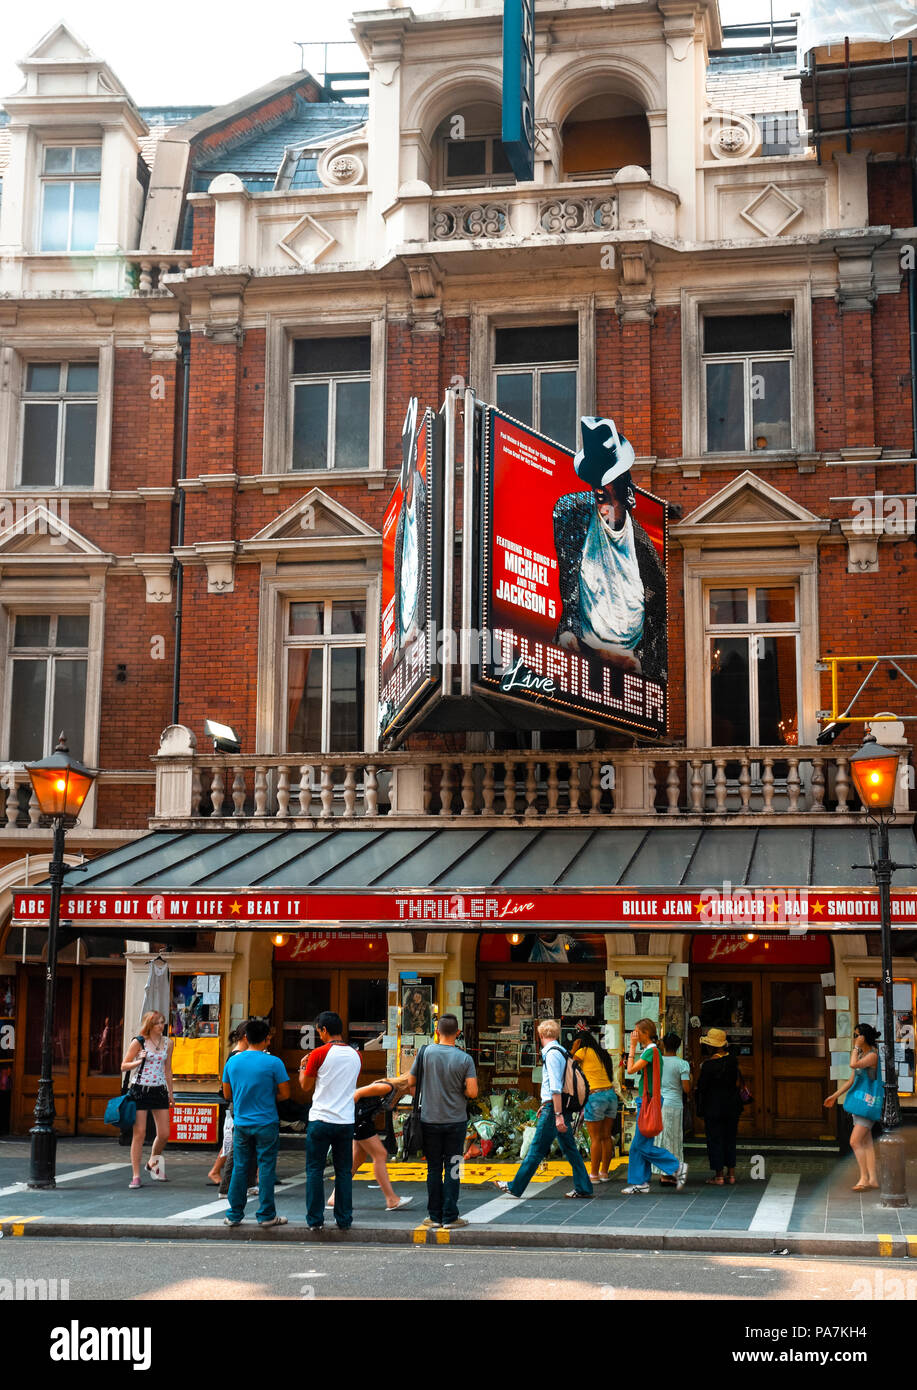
(153, 265)
(585, 787)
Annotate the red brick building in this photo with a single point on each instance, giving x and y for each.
(238, 303)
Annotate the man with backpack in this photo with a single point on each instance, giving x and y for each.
(564, 1092)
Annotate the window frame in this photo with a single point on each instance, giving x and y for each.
(16, 353)
(50, 654)
(584, 321)
(282, 330)
(751, 629)
(486, 180)
(23, 595)
(63, 398)
(747, 359)
(695, 303)
(72, 178)
(326, 641)
(303, 583)
(332, 380)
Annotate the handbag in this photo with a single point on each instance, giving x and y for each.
(412, 1134)
(649, 1120)
(121, 1110)
(865, 1097)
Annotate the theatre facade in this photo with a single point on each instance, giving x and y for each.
(218, 502)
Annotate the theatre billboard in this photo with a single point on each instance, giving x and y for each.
(411, 575)
(573, 577)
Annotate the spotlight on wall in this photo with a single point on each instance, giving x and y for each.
(514, 938)
(829, 733)
(279, 938)
(225, 739)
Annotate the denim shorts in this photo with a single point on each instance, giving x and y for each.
(601, 1105)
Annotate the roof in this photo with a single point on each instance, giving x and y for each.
(258, 161)
(519, 859)
(753, 91)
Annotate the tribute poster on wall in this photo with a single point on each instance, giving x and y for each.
(573, 577)
(411, 579)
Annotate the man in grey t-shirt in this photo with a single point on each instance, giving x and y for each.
(447, 1084)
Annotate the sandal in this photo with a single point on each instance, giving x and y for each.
(713, 1182)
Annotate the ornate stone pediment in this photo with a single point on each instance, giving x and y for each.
(317, 522)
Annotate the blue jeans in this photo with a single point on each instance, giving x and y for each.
(260, 1143)
(545, 1133)
(320, 1137)
(644, 1156)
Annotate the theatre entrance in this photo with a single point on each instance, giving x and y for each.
(767, 996)
(346, 972)
(526, 976)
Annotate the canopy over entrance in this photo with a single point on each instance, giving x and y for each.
(665, 876)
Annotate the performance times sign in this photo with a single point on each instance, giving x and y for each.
(573, 580)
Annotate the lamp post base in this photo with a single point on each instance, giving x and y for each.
(891, 1159)
(42, 1157)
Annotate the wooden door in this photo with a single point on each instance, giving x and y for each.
(360, 996)
(570, 989)
(101, 1050)
(775, 1022)
(65, 1049)
(797, 1077)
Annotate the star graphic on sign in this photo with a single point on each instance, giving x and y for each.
(775, 907)
(235, 907)
(699, 906)
(818, 908)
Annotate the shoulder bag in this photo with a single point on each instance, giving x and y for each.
(121, 1110)
(865, 1096)
(412, 1134)
(649, 1120)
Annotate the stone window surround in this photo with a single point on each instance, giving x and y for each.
(693, 304)
(301, 583)
(281, 329)
(742, 566)
(23, 594)
(748, 629)
(17, 351)
(488, 316)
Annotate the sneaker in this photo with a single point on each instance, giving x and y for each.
(504, 1187)
(451, 1225)
(681, 1177)
(228, 1221)
(638, 1187)
(319, 1227)
(583, 1195)
(274, 1221)
(430, 1225)
(134, 1184)
(252, 1192)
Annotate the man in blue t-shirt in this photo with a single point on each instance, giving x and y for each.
(254, 1081)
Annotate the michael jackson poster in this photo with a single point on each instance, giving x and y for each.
(573, 577)
(409, 559)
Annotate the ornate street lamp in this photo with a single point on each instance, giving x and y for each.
(875, 772)
(61, 785)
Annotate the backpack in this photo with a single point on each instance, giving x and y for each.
(575, 1089)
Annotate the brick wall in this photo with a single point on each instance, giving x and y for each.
(889, 194)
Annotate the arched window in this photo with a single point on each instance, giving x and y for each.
(469, 151)
(603, 134)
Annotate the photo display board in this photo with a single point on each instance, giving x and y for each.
(411, 575)
(558, 583)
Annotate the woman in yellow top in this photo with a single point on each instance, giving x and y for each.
(602, 1105)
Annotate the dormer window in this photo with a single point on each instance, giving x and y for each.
(70, 181)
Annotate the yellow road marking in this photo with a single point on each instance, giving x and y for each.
(474, 1174)
(16, 1223)
(886, 1245)
(911, 1245)
(442, 1236)
(420, 1235)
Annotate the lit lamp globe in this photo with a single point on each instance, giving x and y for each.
(61, 784)
(874, 770)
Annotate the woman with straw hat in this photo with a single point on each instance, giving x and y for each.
(717, 1101)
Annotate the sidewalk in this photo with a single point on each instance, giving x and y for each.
(803, 1206)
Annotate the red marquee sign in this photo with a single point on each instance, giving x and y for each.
(702, 909)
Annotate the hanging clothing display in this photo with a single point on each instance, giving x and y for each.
(157, 994)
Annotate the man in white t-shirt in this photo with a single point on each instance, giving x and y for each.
(331, 1072)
